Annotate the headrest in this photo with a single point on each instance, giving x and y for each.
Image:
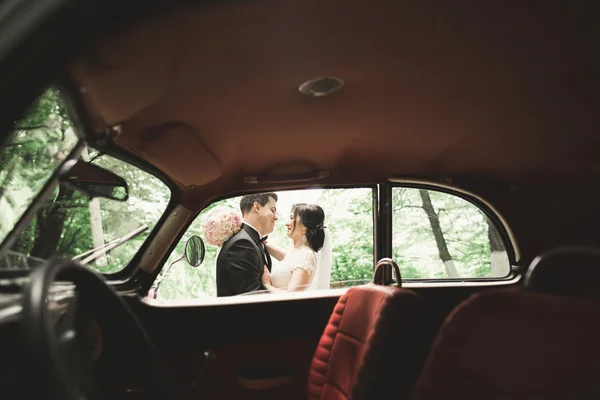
(566, 271)
(379, 276)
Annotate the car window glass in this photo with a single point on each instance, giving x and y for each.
(348, 217)
(102, 233)
(38, 143)
(437, 235)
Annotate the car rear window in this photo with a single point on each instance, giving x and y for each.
(438, 235)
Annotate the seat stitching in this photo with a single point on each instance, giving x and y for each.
(362, 342)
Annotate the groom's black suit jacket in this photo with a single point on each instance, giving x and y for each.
(240, 264)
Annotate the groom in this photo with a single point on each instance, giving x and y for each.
(242, 258)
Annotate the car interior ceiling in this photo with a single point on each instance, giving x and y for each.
(467, 97)
(501, 101)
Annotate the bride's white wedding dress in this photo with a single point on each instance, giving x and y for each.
(303, 257)
(318, 266)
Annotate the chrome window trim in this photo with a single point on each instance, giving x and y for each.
(273, 297)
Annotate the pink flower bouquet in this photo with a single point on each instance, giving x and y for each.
(219, 224)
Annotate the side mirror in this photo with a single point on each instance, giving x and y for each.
(194, 251)
(93, 180)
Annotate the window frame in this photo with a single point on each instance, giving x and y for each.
(131, 278)
(145, 283)
(383, 229)
(130, 269)
(125, 278)
(30, 212)
(508, 238)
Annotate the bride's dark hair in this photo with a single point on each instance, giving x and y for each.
(312, 216)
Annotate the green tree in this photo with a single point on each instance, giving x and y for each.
(39, 142)
(459, 225)
(440, 241)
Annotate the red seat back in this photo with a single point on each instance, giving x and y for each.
(372, 347)
(515, 345)
(540, 343)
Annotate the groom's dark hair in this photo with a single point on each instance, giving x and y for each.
(248, 200)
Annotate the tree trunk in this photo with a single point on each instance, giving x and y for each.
(96, 228)
(9, 176)
(50, 225)
(434, 221)
(96, 221)
(498, 256)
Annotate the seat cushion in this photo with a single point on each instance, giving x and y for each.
(515, 345)
(372, 344)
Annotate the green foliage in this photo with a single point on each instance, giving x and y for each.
(185, 282)
(352, 234)
(34, 149)
(464, 228)
(39, 142)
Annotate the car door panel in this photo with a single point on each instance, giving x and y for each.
(260, 350)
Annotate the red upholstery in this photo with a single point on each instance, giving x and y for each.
(515, 345)
(372, 347)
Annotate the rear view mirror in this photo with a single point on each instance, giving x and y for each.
(93, 180)
(194, 251)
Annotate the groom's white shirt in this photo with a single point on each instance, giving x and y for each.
(259, 235)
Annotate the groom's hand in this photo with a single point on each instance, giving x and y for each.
(266, 278)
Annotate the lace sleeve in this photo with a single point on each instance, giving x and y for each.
(306, 260)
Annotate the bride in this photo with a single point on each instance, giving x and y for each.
(307, 266)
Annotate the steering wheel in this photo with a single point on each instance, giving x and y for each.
(53, 351)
